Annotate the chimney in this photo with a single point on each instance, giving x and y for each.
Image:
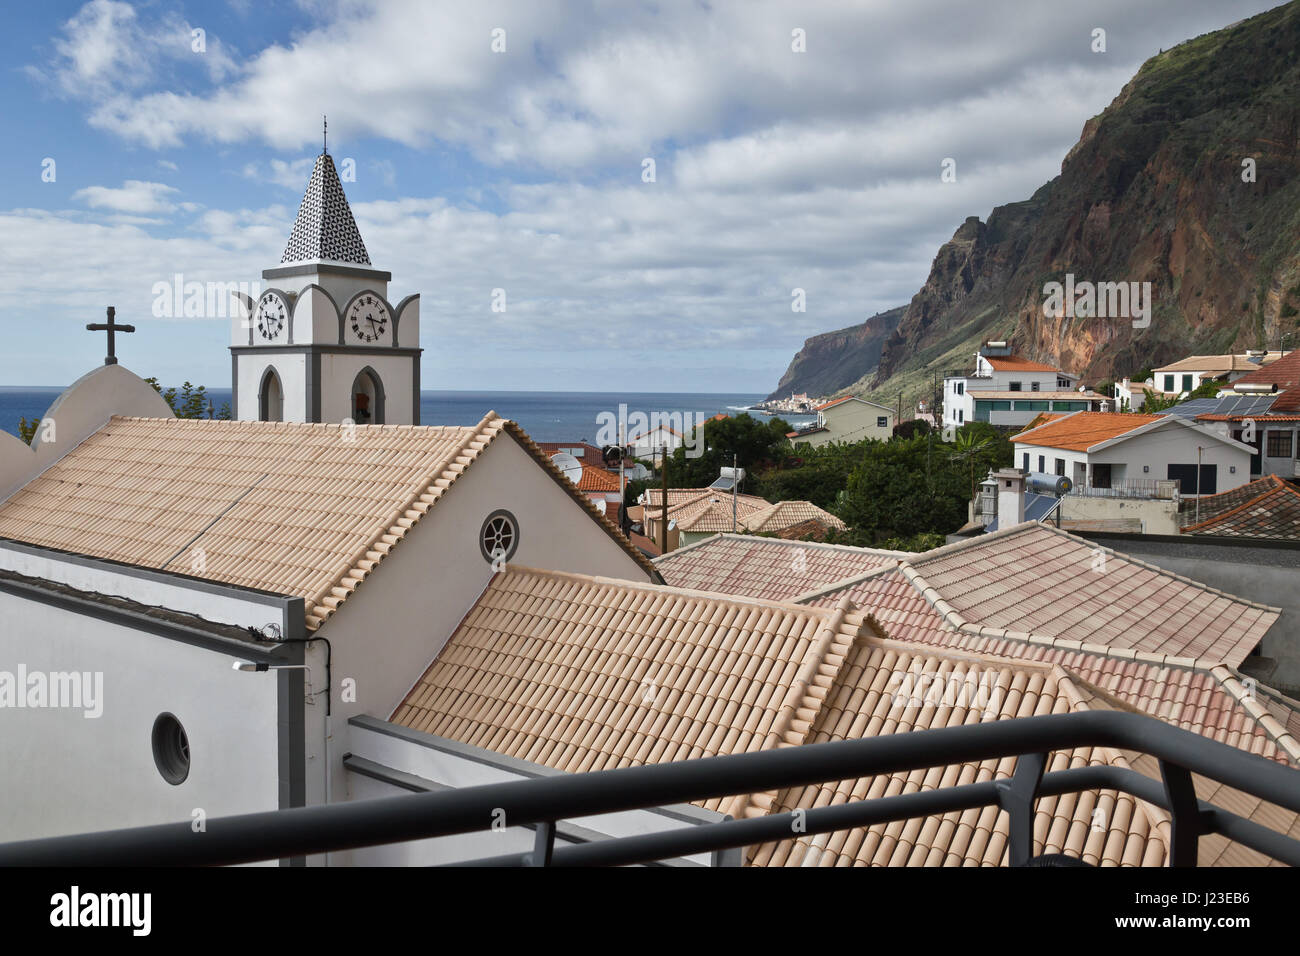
(1011, 497)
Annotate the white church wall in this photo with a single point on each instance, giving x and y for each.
(79, 411)
(452, 765)
(417, 597)
(69, 773)
(339, 371)
(292, 369)
(408, 328)
(224, 605)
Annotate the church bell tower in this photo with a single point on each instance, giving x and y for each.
(322, 342)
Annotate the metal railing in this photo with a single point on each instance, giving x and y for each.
(540, 802)
(1146, 488)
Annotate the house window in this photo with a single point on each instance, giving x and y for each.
(1169, 383)
(1026, 461)
(171, 749)
(1033, 386)
(1062, 383)
(1042, 463)
(961, 416)
(1101, 476)
(1015, 387)
(1279, 444)
(961, 388)
(1187, 383)
(499, 537)
(882, 421)
(1060, 466)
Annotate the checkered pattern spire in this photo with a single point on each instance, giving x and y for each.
(325, 228)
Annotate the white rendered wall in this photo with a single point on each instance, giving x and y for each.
(339, 371)
(388, 632)
(292, 368)
(66, 773)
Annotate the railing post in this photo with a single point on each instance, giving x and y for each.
(543, 844)
(1185, 811)
(1017, 799)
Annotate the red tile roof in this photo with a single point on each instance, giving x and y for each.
(1082, 430)
(1268, 507)
(1200, 695)
(1034, 578)
(1285, 374)
(768, 568)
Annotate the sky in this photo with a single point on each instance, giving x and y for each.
(507, 145)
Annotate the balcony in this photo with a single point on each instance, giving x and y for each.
(540, 803)
(1139, 488)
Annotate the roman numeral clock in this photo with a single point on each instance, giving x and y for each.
(323, 342)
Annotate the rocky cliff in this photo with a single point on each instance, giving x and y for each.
(1189, 181)
(833, 361)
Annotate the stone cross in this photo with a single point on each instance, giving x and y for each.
(110, 327)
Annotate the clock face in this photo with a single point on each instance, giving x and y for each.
(368, 317)
(271, 315)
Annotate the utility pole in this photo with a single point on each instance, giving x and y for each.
(663, 524)
(1198, 484)
(734, 473)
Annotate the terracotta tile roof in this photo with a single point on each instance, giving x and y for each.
(713, 512)
(1082, 430)
(1285, 374)
(597, 479)
(1032, 577)
(583, 673)
(810, 530)
(285, 507)
(784, 514)
(1203, 696)
(580, 674)
(1221, 364)
(1014, 363)
(766, 567)
(833, 402)
(1267, 507)
(865, 701)
(590, 453)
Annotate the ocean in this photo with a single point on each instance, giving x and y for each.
(546, 416)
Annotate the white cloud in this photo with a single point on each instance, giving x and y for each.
(134, 197)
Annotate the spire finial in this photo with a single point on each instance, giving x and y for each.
(325, 134)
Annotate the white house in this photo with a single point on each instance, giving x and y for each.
(1006, 389)
(1186, 375)
(1114, 450)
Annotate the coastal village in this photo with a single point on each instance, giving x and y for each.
(1039, 610)
(568, 608)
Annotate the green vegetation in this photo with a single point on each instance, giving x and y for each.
(904, 494)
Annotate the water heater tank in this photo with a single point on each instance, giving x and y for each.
(1044, 484)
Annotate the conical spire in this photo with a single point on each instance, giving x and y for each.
(325, 228)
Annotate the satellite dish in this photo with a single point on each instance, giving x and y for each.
(569, 466)
(600, 505)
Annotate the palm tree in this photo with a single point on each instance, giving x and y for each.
(968, 449)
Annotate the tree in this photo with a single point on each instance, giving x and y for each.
(190, 402)
(742, 439)
(910, 429)
(1158, 403)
